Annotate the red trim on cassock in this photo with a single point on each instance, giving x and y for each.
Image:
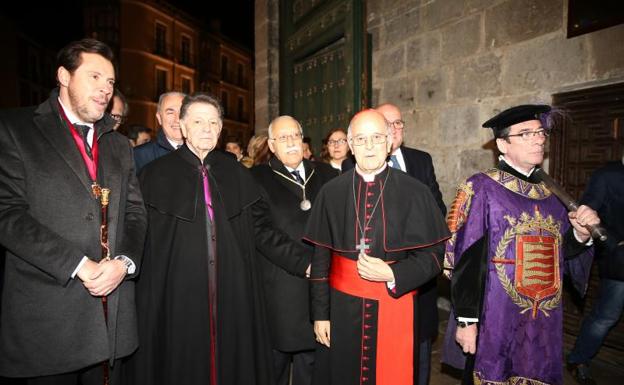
(395, 329)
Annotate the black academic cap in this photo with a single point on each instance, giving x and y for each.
(516, 115)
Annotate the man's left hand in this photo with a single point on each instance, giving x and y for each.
(584, 216)
(109, 275)
(374, 269)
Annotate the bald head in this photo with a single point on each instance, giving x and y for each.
(366, 117)
(394, 117)
(369, 140)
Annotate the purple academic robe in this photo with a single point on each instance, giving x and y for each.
(521, 226)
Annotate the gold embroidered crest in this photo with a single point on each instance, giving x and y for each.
(536, 285)
(455, 220)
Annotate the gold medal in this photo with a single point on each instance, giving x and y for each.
(96, 189)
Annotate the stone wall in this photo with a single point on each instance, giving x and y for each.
(450, 65)
(266, 74)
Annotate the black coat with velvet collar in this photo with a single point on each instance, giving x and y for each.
(285, 287)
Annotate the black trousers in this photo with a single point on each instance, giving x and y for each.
(92, 375)
(302, 364)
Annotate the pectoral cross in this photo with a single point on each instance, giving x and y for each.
(362, 246)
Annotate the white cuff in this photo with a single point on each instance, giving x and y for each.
(588, 243)
(466, 319)
(77, 269)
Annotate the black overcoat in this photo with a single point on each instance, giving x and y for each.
(49, 220)
(172, 294)
(285, 285)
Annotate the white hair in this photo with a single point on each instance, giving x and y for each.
(270, 129)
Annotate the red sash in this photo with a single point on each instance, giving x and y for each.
(91, 164)
(395, 330)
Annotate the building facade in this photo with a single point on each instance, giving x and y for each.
(160, 48)
(226, 71)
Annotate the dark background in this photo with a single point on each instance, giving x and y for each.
(54, 24)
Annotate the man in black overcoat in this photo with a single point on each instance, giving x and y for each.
(54, 159)
(201, 307)
(290, 184)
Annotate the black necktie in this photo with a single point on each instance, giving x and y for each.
(297, 176)
(83, 130)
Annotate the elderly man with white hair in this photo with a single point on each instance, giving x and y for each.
(291, 184)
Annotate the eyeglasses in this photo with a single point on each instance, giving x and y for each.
(361, 140)
(398, 124)
(118, 118)
(284, 138)
(336, 142)
(528, 135)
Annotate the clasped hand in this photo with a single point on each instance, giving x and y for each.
(102, 278)
(374, 269)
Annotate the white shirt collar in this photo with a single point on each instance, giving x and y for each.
(369, 177)
(173, 144)
(73, 118)
(299, 168)
(335, 165)
(527, 174)
(399, 156)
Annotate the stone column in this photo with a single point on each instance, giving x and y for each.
(267, 63)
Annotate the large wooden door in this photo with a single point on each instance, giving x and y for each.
(592, 135)
(324, 70)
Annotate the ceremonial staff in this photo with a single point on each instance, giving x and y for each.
(105, 192)
(597, 231)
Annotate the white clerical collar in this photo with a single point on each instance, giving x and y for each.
(527, 174)
(73, 119)
(299, 168)
(370, 177)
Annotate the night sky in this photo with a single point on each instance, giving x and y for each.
(54, 24)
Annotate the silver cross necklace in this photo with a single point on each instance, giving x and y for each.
(362, 246)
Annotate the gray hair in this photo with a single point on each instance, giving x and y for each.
(163, 96)
(270, 129)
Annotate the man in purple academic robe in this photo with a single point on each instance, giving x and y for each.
(512, 240)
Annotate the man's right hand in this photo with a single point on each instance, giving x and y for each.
(88, 271)
(467, 338)
(321, 329)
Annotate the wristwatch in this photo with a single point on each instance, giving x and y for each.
(463, 324)
(130, 266)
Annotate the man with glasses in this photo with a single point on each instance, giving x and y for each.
(378, 236)
(419, 165)
(291, 185)
(118, 108)
(512, 240)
